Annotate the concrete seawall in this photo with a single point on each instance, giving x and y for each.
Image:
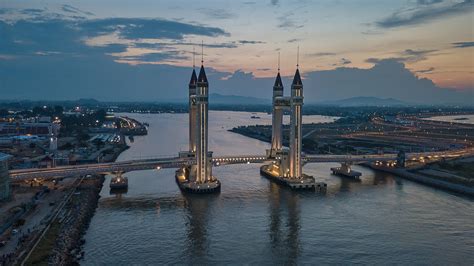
(427, 180)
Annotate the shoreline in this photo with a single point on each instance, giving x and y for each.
(62, 240)
(76, 253)
(403, 173)
(427, 180)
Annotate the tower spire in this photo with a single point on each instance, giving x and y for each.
(194, 57)
(202, 52)
(298, 58)
(278, 62)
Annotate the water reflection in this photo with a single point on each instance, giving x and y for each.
(118, 192)
(198, 215)
(347, 183)
(284, 223)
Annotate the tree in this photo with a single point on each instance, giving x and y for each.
(58, 110)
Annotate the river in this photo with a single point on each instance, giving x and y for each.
(381, 219)
(464, 119)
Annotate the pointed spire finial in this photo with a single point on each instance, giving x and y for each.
(278, 62)
(202, 52)
(194, 57)
(298, 57)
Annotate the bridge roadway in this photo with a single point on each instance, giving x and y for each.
(176, 162)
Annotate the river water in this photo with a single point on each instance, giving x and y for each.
(464, 119)
(380, 219)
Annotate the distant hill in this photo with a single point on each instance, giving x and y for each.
(215, 98)
(87, 101)
(365, 101)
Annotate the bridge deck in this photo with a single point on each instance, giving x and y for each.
(176, 162)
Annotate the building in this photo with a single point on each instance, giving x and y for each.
(4, 177)
(21, 128)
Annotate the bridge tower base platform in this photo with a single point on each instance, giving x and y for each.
(185, 178)
(306, 182)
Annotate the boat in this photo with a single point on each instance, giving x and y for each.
(255, 117)
(345, 170)
(119, 182)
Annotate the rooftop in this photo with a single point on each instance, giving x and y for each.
(4, 156)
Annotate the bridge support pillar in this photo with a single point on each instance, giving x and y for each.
(287, 167)
(199, 179)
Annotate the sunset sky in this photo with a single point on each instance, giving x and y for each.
(434, 39)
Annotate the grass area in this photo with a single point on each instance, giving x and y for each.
(42, 251)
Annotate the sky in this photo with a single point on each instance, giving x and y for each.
(419, 51)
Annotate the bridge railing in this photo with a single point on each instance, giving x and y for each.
(174, 161)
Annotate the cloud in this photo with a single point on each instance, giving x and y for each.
(217, 13)
(162, 45)
(287, 22)
(274, 2)
(372, 32)
(31, 11)
(142, 28)
(426, 11)
(321, 54)
(250, 42)
(75, 10)
(62, 77)
(342, 62)
(428, 2)
(410, 55)
(155, 57)
(425, 71)
(462, 44)
(294, 40)
(345, 61)
(406, 56)
(111, 37)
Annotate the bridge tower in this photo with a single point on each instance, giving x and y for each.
(192, 112)
(203, 158)
(277, 116)
(198, 178)
(286, 168)
(295, 126)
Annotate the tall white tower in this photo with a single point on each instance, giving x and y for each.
(277, 117)
(202, 156)
(296, 122)
(192, 112)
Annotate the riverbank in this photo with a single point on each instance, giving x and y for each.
(62, 242)
(430, 176)
(57, 217)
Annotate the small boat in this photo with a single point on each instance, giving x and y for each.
(118, 182)
(255, 117)
(345, 170)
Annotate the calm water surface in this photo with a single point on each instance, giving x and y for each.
(381, 219)
(466, 119)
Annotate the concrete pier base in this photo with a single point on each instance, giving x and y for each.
(305, 183)
(188, 186)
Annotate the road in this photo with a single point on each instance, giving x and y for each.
(176, 162)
